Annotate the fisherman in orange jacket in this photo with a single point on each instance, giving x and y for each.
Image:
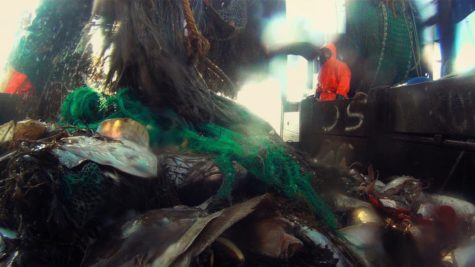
(334, 77)
(17, 83)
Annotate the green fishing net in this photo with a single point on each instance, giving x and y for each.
(252, 148)
(84, 192)
(387, 37)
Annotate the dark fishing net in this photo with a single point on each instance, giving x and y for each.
(47, 54)
(144, 48)
(58, 211)
(233, 12)
(235, 28)
(32, 206)
(85, 192)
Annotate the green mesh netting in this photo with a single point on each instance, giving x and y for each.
(387, 36)
(255, 151)
(84, 191)
(86, 108)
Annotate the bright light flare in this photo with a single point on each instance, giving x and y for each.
(433, 58)
(14, 18)
(465, 45)
(263, 98)
(466, 60)
(320, 15)
(297, 80)
(314, 21)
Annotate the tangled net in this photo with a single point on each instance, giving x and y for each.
(263, 157)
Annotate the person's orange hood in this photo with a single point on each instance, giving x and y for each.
(334, 77)
(17, 83)
(332, 48)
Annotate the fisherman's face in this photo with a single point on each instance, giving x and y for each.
(325, 54)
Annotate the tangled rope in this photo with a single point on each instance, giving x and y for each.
(230, 87)
(196, 44)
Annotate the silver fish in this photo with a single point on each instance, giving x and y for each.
(365, 241)
(124, 155)
(322, 241)
(345, 203)
(464, 256)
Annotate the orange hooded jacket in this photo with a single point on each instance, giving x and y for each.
(18, 83)
(334, 77)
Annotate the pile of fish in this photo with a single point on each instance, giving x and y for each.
(158, 207)
(398, 224)
(46, 172)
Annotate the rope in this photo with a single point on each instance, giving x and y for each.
(196, 44)
(383, 45)
(216, 70)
